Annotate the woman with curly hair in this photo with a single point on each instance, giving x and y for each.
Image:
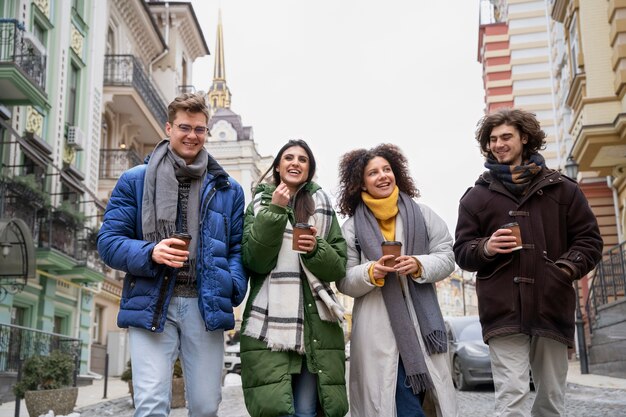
(292, 344)
(398, 359)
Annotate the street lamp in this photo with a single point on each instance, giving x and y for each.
(571, 170)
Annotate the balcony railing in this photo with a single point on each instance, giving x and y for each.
(113, 162)
(14, 49)
(19, 343)
(609, 282)
(125, 70)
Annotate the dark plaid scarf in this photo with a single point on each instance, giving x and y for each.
(516, 178)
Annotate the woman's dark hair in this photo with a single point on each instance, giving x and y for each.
(525, 122)
(304, 206)
(352, 167)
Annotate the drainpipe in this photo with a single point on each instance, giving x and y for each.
(618, 223)
(167, 39)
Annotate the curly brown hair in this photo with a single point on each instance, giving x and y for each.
(525, 122)
(189, 103)
(352, 168)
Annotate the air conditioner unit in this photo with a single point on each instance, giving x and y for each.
(75, 137)
(32, 44)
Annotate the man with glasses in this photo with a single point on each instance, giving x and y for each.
(179, 292)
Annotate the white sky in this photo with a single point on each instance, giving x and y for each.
(346, 74)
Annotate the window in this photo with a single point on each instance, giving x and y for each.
(19, 316)
(573, 45)
(60, 324)
(110, 46)
(96, 329)
(72, 96)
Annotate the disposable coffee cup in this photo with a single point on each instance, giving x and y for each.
(514, 227)
(391, 247)
(182, 236)
(298, 230)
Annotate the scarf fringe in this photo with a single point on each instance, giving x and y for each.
(436, 342)
(419, 383)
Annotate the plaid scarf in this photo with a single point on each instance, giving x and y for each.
(277, 313)
(516, 178)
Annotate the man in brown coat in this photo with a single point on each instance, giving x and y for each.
(526, 300)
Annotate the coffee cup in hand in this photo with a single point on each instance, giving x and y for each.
(391, 247)
(186, 237)
(515, 231)
(300, 229)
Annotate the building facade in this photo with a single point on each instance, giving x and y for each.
(50, 100)
(84, 87)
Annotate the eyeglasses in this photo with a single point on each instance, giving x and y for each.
(186, 129)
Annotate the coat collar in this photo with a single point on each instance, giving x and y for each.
(546, 178)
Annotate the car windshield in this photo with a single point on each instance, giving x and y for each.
(472, 331)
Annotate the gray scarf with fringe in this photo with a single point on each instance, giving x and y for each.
(423, 296)
(160, 196)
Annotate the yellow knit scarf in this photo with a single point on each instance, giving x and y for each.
(385, 211)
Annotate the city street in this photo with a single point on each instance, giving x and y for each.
(581, 401)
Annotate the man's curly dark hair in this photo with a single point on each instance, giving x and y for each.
(351, 174)
(525, 122)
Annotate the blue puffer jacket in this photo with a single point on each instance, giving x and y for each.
(148, 288)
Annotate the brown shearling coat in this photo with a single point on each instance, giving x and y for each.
(526, 291)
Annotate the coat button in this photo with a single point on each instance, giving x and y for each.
(309, 305)
(319, 372)
(153, 328)
(516, 280)
(314, 340)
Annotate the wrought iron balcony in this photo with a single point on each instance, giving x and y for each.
(125, 70)
(113, 162)
(19, 343)
(609, 281)
(17, 47)
(21, 197)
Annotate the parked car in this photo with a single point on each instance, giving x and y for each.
(468, 354)
(232, 360)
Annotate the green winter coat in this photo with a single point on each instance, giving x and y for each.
(266, 375)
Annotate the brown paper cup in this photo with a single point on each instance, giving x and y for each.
(298, 230)
(182, 236)
(391, 247)
(514, 227)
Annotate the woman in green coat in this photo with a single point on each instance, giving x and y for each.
(292, 343)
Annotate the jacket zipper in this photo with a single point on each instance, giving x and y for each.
(163, 289)
(160, 302)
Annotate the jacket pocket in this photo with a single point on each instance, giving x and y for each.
(557, 298)
(497, 292)
(493, 269)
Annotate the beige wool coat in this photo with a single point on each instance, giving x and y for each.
(374, 354)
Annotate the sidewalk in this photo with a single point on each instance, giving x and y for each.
(590, 380)
(92, 394)
(87, 395)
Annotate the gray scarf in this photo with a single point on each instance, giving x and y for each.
(423, 296)
(160, 196)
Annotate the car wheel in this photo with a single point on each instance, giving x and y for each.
(457, 375)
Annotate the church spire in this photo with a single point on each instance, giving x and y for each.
(219, 94)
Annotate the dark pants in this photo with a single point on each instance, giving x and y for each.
(407, 403)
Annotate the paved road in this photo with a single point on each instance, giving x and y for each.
(581, 402)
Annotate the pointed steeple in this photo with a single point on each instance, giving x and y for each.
(219, 94)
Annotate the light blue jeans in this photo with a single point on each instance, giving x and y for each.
(304, 386)
(153, 356)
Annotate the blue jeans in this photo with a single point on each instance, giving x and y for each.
(153, 356)
(304, 386)
(407, 403)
